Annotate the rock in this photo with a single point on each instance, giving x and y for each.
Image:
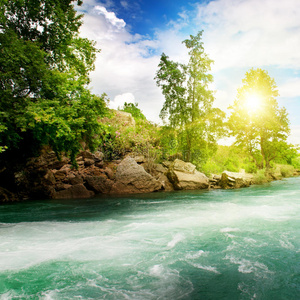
(99, 164)
(49, 177)
(62, 186)
(187, 181)
(159, 168)
(98, 156)
(132, 178)
(60, 175)
(99, 184)
(109, 173)
(86, 154)
(74, 192)
(88, 162)
(124, 118)
(48, 160)
(158, 171)
(214, 181)
(79, 159)
(66, 168)
(234, 180)
(184, 176)
(166, 164)
(165, 182)
(74, 179)
(7, 196)
(181, 166)
(140, 159)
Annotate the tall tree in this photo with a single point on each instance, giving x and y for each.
(44, 68)
(189, 101)
(257, 122)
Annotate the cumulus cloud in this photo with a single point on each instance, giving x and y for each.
(111, 17)
(124, 68)
(242, 33)
(119, 100)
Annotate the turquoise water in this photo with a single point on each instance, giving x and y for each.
(238, 244)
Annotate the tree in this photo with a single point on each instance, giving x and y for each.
(188, 102)
(257, 122)
(44, 68)
(133, 109)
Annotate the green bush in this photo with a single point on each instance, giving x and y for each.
(260, 177)
(121, 138)
(287, 170)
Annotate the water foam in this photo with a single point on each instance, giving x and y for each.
(178, 237)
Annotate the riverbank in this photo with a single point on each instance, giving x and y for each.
(223, 244)
(46, 177)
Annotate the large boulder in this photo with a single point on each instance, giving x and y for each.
(132, 178)
(124, 118)
(74, 192)
(99, 184)
(158, 171)
(184, 176)
(234, 180)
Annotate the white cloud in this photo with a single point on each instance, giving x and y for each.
(124, 66)
(294, 138)
(119, 100)
(111, 17)
(125, 4)
(290, 89)
(249, 33)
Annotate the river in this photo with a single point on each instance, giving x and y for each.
(222, 244)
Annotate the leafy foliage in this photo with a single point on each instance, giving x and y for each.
(263, 132)
(133, 109)
(44, 68)
(122, 137)
(188, 102)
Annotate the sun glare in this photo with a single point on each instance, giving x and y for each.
(253, 103)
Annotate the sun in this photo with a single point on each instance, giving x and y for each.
(253, 103)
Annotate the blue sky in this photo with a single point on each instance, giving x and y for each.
(238, 35)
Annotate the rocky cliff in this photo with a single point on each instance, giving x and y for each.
(48, 177)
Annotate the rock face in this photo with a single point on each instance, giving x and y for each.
(73, 192)
(159, 171)
(125, 118)
(46, 177)
(132, 178)
(184, 176)
(214, 181)
(233, 180)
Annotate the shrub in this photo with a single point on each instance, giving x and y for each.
(261, 177)
(286, 170)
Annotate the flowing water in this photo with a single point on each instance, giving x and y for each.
(237, 244)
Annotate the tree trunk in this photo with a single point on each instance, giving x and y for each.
(188, 148)
(266, 163)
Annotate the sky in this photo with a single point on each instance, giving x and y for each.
(237, 34)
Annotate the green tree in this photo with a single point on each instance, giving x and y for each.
(256, 121)
(44, 68)
(133, 109)
(188, 102)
